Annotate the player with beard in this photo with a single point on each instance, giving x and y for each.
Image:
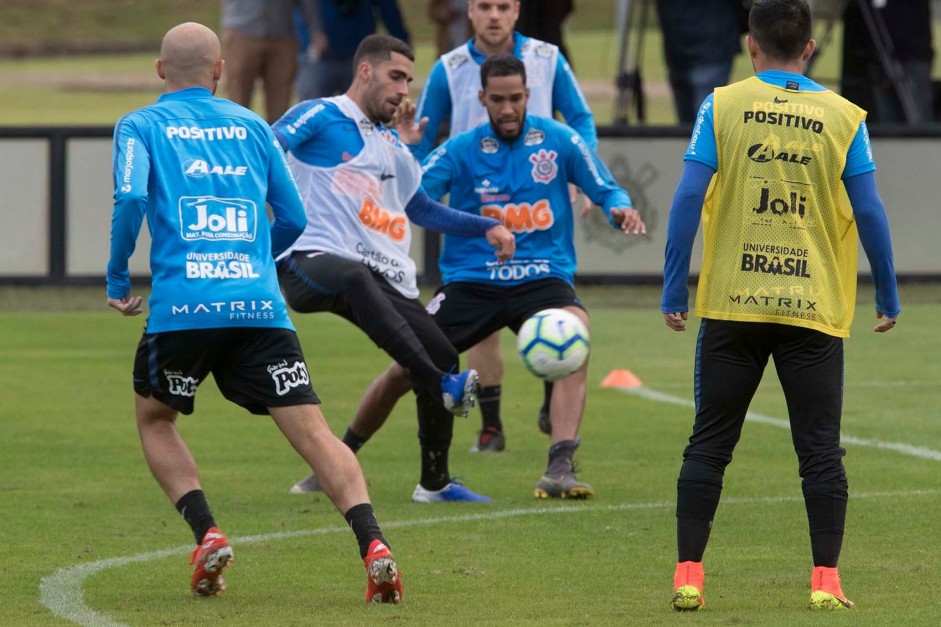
(517, 168)
(361, 186)
(451, 94)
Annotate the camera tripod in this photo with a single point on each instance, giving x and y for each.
(630, 87)
(883, 46)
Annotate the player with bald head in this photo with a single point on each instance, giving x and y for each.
(190, 56)
(202, 170)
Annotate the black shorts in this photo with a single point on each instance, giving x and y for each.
(470, 312)
(253, 367)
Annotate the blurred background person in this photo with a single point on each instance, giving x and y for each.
(543, 19)
(907, 23)
(452, 26)
(700, 41)
(333, 36)
(259, 41)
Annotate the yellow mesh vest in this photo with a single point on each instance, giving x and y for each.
(780, 239)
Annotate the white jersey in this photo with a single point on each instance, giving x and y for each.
(356, 209)
(463, 73)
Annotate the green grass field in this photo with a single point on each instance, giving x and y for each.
(80, 512)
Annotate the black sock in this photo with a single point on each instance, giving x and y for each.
(692, 535)
(826, 514)
(195, 511)
(698, 489)
(826, 548)
(353, 440)
(489, 400)
(362, 520)
(546, 397)
(560, 457)
(434, 468)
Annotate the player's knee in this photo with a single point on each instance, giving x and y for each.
(357, 277)
(398, 377)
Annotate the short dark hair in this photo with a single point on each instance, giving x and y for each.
(501, 65)
(781, 28)
(377, 48)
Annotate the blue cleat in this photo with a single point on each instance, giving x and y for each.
(459, 392)
(453, 492)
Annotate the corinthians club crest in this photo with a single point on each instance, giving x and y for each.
(544, 167)
(596, 225)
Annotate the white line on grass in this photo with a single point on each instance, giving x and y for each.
(898, 447)
(907, 383)
(63, 594)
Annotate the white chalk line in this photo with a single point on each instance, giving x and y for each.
(847, 384)
(62, 592)
(897, 447)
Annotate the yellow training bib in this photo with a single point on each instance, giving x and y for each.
(780, 238)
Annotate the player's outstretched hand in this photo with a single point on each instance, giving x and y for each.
(500, 238)
(886, 325)
(630, 221)
(404, 122)
(676, 321)
(128, 306)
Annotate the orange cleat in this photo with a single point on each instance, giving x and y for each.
(209, 558)
(383, 579)
(688, 587)
(826, 591)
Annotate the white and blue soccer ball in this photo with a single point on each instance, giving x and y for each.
(553, 343)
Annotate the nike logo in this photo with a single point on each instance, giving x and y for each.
(779, 100)
(379, 548)
(385, 177)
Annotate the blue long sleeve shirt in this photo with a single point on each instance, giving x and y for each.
(336, 140)
(201, 169)
(524, 184)
(435, 102)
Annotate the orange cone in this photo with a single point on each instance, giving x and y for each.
(621, 378)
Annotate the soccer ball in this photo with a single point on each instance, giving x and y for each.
(553, 344)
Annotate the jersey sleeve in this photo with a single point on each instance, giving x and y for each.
(131, 166)
(681, 232)
(434, 104)
(300, 124)
(568, 99)
(438, 170)
(290, 217)
(859, 156)
(592, 176)
(431, 214)
(873, 227)
(702, 143)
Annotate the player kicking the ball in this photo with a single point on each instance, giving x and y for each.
(515, 168)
